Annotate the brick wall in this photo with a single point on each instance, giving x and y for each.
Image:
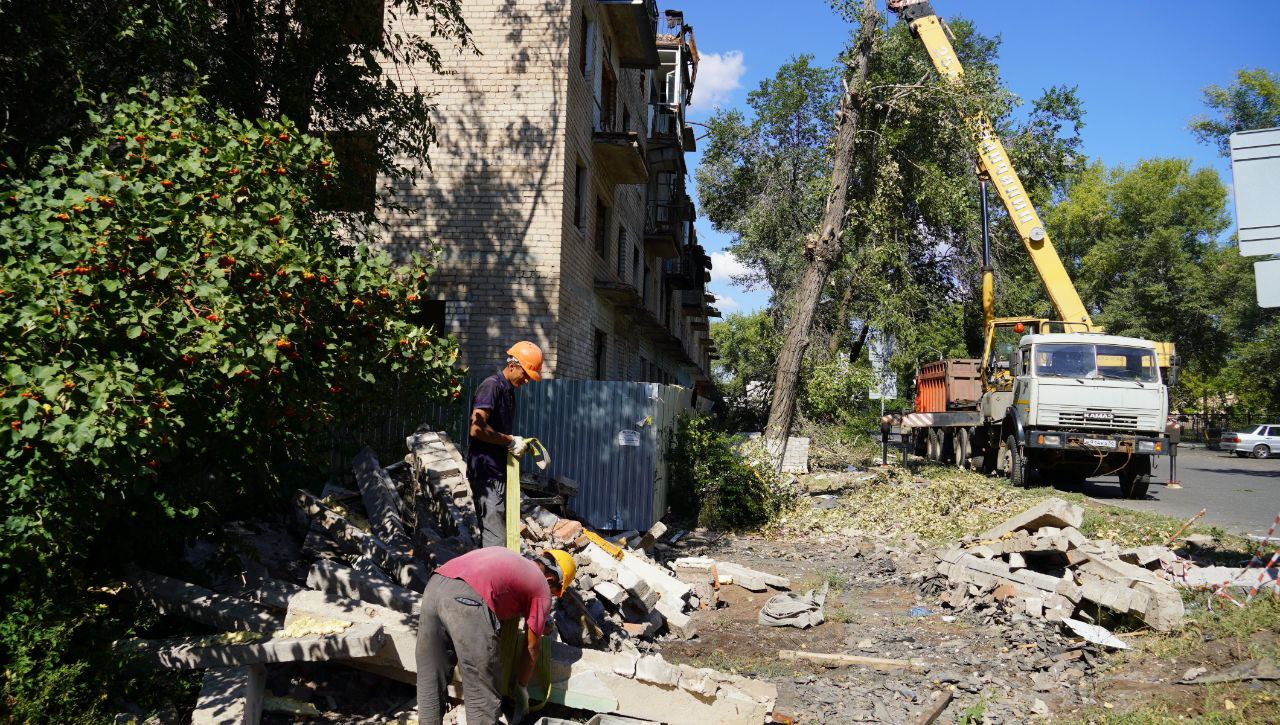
(515, 123)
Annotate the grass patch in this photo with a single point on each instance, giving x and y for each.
(939, 504)
(1224, 705)
(1225, 623)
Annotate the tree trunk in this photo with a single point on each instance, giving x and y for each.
(855, 350)
(842, 320)
(821, 254)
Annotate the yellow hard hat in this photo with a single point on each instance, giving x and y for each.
(530, 357)
(562, 563)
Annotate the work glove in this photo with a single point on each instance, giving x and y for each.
(521, 709)
(517, 446)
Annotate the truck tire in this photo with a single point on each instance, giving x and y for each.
(1019, 473)
(1261, 451)
(1132, 483)
(935, 444)
(962, 449)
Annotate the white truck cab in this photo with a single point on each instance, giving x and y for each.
(1087, 404)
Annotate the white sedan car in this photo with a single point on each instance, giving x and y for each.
(1262, 441)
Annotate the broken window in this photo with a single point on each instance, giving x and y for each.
(602, 229)
(598, 353)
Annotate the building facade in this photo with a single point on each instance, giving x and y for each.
(556, 192)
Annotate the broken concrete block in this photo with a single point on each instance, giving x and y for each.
(678, 623)
(1016, 561)
(381, 501)
(610, 592)
(172, 596)
(440, 472)
(589, 680)
(737, 571)
(355, 542)
(1074, 537)
(1040, 581)
(194, 653)
(1147, 557)
(566, 530)
(230, 696)
(608, 568)
(982, 552)
(652, 668)
(1050, 512)
(655, 532)
(657, 577)
(330, 576)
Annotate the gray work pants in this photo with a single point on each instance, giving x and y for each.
(455, 620)
(491, 510)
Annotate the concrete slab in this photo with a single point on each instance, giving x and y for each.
(193, 653)
(1050, 512)
(230, 696)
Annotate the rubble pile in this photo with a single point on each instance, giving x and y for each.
(350, 593)
(1040, 563)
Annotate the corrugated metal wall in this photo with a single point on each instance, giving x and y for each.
(582, 424)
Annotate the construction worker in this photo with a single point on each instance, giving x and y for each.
(463, 606)
(493, 412)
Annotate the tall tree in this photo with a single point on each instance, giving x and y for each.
(1252, 101)
(324, 64)
(823, 250)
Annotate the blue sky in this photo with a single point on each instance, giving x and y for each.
(1140, 67)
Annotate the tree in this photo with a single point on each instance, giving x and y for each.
(1249, 375)
(326, 65)
(1252, 101)
(823, 250)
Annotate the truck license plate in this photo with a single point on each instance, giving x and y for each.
(1099, 443)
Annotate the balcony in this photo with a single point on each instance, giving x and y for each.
(617, 150)
(664, 226)
(635, 30)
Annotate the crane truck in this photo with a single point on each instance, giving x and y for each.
(1058, 399)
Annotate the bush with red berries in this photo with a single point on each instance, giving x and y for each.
(182, 321)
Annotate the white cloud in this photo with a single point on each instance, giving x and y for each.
(718, 76)
(724, 267)
(725, 303)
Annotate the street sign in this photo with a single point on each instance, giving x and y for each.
(1255, 172)
(1266, 275)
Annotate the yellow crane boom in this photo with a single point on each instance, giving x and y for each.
(993, 163)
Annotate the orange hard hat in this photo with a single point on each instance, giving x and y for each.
(530, 357)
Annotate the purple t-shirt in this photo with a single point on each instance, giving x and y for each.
(510, 584)
(497, 396)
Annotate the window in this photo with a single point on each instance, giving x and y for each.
(643, 374)
(598, 353)
(579, 194)
(635, 263)
(602, 228)
(644, 291)
(586, 51)
(626, 118)
(430, 313)
(622, 254)
(1096, 362)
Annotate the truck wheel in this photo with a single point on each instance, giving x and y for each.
(962, 448)
(1261, 451)
(935, 444)
(1133, 484)
(1018, 473)
(990, 445)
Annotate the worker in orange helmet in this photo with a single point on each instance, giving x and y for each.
(493, 413)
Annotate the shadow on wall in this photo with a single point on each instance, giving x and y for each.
(491, 199)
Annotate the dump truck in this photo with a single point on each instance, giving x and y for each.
(1054, 399)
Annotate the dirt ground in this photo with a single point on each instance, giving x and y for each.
(998, 667)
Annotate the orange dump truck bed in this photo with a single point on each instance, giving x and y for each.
(945, 385)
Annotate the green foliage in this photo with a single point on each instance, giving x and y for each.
(321, 63)
(1251, 102)
(834, 390)
(749, 350)
(181, 321)
(710, 480)
(61, 665)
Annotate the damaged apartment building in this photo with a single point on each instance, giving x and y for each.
(557, 191)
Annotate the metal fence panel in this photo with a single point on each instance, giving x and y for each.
(582, 424)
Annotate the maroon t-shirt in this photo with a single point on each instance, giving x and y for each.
(510, 584)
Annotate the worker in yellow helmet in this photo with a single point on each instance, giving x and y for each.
(493, 413)
(463, 606)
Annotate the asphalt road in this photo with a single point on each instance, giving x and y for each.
(1241, 494)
